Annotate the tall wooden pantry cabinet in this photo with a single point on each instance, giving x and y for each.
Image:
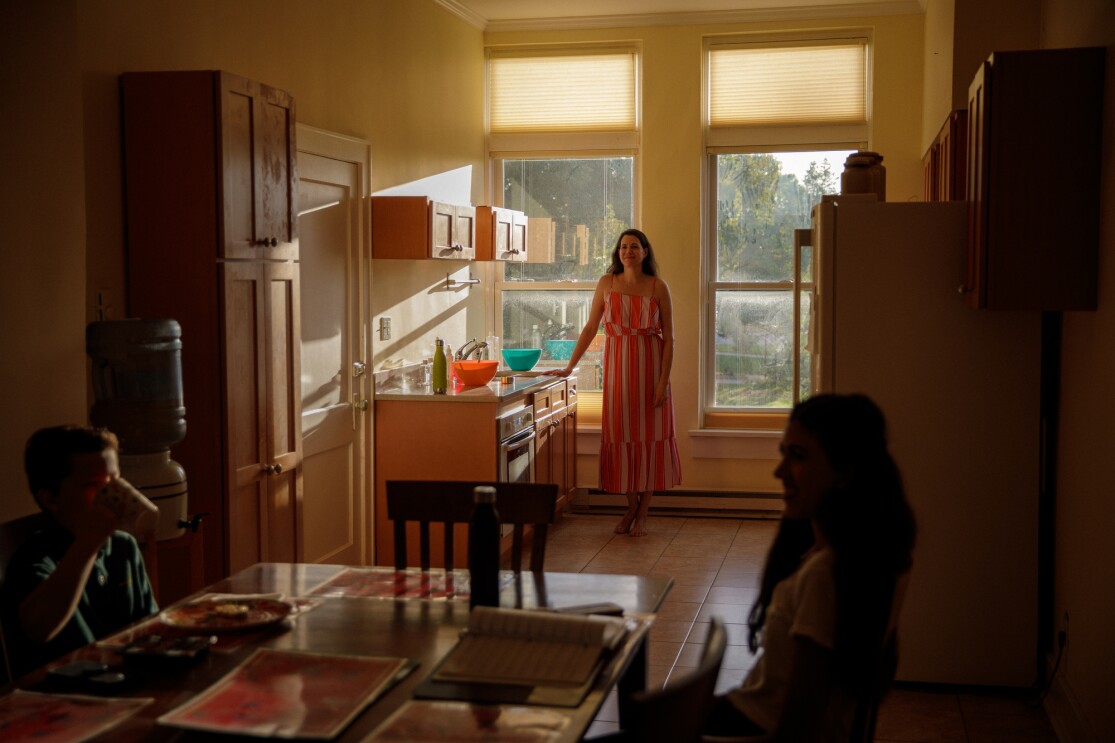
(211, 189)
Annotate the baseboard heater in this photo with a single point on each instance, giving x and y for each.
(708, 503)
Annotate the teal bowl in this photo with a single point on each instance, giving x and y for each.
(521, 359)
(560, 349)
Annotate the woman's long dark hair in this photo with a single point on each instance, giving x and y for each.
(867, 523)
(650, 266)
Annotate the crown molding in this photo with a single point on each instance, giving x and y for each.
(631, 20)
(465, 13)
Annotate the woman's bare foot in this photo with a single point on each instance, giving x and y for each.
(639, 527)
(624, 524)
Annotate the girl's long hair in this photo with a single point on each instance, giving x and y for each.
(868, 524)
(650, 265)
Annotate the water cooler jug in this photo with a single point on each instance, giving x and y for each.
(137, 386)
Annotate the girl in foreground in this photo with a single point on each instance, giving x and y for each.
(832, 583)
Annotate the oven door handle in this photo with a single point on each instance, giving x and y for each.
(517, 441)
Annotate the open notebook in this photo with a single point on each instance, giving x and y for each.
(514, 655)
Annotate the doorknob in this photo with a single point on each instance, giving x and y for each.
(358, 368)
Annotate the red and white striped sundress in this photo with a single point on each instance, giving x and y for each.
(638, 449)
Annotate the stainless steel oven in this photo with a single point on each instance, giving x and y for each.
(515, 429)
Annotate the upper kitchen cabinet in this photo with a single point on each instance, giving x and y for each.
(1033, 180)
(208, 157)
(501, 234)
(944, 161)
(417, 227)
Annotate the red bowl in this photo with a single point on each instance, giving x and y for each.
(475, 372)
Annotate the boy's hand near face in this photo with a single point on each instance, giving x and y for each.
(47, 609)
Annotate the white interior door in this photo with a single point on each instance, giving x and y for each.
(337, 508)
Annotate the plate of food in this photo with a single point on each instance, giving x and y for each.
(226, 614)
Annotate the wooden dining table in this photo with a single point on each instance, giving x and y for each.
(422, 629)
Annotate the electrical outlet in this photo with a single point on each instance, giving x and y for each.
(385, 328)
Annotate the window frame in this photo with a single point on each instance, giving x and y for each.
(759, 140)
(588, 144)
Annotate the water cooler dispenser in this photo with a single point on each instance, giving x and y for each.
(137, 386)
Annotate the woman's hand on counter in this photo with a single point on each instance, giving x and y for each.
(557, 372)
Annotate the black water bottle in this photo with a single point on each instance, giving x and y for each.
(483, 548)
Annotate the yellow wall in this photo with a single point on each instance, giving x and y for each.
(1085, 508)
(670, 181)
(42, 209)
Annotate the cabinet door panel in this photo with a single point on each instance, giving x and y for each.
(442, 221)
(284, 410)
(237, 158)
(285, 392)
(502, 233)
(244, 395)
(275, 163)
(464, 231)
(518, 236)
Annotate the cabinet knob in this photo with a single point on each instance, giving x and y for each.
(360, 404)
(268, 242)
(962, 290)
(272, 469)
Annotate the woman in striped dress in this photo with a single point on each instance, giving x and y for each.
(638, 450)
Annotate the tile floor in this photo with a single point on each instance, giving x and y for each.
(715, 564)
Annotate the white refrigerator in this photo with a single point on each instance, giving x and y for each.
(960, 389)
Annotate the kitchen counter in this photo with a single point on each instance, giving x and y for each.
(402, 386)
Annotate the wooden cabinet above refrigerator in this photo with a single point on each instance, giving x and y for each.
(1033, 180)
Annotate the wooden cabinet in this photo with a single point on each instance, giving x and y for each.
(262, 412)
(501, 234)
(416, 227)
(432, 440)
(944, 162)
(209, 176)
(543, 429)
(1033, 180)
(569, 454)
(258, 168)
(556, 438)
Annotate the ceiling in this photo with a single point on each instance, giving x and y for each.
(525, 15)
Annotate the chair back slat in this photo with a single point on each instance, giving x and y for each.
(12, 536)
(677, 713)
(449, 502)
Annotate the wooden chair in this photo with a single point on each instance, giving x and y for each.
(450, 502)
(12, 536)
(677, 713)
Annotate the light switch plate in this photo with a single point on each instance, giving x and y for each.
(385, 328)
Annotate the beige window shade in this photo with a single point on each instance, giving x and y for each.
(819, 85)
(593, 91)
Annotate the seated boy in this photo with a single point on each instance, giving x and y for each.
(79, 579)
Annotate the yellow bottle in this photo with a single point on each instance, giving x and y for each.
(439, 382)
